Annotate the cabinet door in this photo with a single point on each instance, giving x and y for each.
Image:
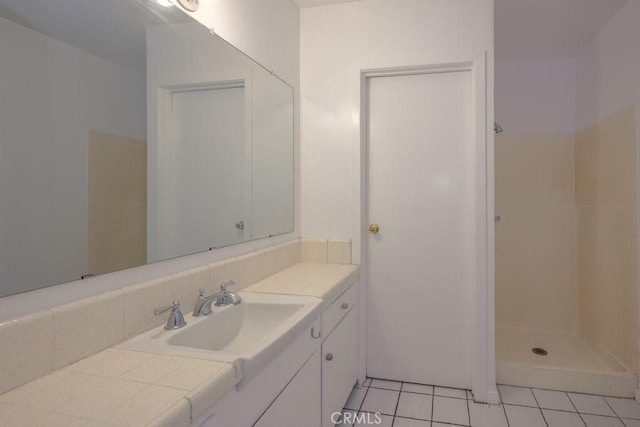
(299, 402)
(339, 366)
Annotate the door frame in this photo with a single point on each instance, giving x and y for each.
(483, 372)
(160, 220)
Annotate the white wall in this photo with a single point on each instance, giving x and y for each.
(608, 69)
(337, 42)
(536, 98)
(52, 95)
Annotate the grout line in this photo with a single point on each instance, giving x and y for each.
(614, 411)
(543, 417)
(363, 399)
(504, 409)
(433, 403)
(397, 403)
(576, 408)
(563, 410)
(417, 392)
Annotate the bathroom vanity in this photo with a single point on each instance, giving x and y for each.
(297, 370)
(309, 380)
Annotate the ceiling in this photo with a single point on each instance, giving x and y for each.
(114, 29)
(538, 29)
(111, 29)
(548, 29)
(311, 3)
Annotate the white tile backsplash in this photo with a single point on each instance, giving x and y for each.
(87, 326)
(26, 349)
(288, 254)
(223, 272)
(186, 284)
(314, 250)
(140, 301)
(339, 252)
(34, 345)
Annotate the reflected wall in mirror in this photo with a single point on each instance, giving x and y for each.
(130, 134)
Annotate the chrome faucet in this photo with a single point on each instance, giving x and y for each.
(176, 319)
(222, 298)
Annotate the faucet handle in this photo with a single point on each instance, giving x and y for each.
(223, 286)
(174, 305)
(176, 319)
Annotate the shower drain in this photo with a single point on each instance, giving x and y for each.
(539, 351)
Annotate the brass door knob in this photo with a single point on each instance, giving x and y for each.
(329, 356)
(373, 229)
(345, 305)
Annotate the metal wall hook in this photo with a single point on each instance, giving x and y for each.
(313, 334)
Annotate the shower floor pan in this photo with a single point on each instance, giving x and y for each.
(570, 365)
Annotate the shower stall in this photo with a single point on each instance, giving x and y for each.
(567, 258)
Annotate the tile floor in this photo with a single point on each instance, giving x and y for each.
(399, 404)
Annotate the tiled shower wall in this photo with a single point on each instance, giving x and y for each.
(37, 344)
(606, 203)
(117, 231)
(535, 235)
(566, 244)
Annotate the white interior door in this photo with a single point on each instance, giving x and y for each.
(421, 193)
(208, 169)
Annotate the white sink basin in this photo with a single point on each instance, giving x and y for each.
(249, 334)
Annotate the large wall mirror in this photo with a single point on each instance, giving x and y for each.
(130, 134)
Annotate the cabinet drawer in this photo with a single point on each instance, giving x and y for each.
(340, 307)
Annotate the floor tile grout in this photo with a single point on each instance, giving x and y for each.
(469, 398)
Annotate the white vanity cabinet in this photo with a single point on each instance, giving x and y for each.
(339, 353)
(308, 382)
(322, 387)
(299, 402)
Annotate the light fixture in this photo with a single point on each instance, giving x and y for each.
(165, 3)
(190, 5)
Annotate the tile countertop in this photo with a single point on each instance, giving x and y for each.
(326, 281)
(117, 387)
